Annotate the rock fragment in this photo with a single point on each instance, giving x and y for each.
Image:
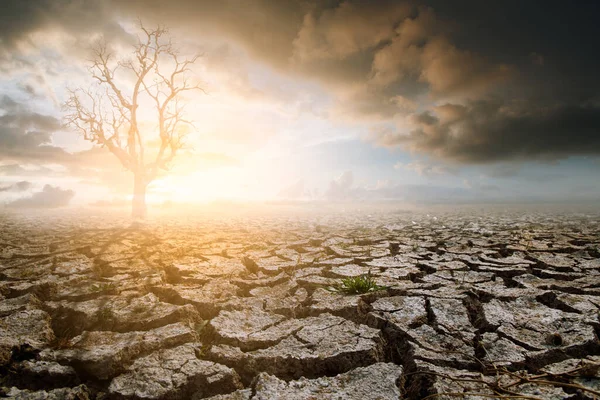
(103, 354)
(173, 374)
(316, 346)
(24, 329)
(77, 393)
(375, 382)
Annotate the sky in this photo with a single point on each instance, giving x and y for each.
(304, 100)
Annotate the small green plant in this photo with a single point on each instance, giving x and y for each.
(200, 326)
(203, 351)
(103, 287)
(105, 315)
(356, 285)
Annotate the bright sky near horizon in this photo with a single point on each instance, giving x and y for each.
(415, 101)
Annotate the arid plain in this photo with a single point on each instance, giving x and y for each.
(468, 303)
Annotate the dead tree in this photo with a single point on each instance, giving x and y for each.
(109, 113)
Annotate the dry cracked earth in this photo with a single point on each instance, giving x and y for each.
(474, 305)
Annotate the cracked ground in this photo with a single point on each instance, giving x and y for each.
(471, 305)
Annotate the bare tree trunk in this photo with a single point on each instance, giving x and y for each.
(138, 210)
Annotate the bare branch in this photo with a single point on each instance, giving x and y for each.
(90, 121)
(109, 116)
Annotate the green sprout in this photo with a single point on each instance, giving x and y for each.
(356, 285)
(103, 287)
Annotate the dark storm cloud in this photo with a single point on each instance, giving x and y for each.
(265, 28)
(468, 81)
(487, 132)
(49, 197)
(29, 30)
(384, 60)
(18, 18)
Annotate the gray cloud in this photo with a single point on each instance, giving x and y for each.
(346, 29)
(18, 170)
(343, 189)
(426, 169)
(16, 187)
(486, 132)
(518, 83)
(21, 18)
(26, 135)
(49, 197)
(388, 48)
(265, 28)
